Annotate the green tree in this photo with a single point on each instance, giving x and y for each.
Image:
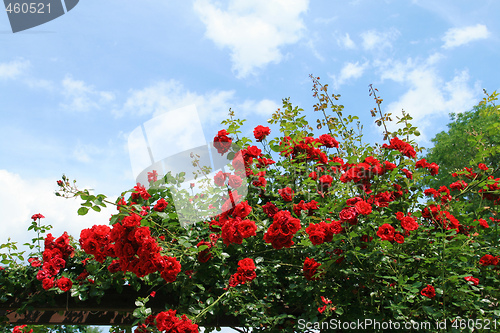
(473, 137)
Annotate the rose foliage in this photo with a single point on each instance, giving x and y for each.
(330, 228)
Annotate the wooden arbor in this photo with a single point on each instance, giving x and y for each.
(112, 309)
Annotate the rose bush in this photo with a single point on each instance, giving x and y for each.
(331, 228)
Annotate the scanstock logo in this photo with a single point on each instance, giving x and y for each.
(28, 14)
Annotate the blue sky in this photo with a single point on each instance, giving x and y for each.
(73, 89)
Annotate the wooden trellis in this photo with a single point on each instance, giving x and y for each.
(113, 309)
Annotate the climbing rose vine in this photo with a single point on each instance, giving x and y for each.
(327, 227)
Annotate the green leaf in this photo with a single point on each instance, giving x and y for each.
(83, 210)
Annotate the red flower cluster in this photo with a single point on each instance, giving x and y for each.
(140, 192)
(260, 132)
(55, 254)
(168, 322)
(489, 260)
(405, 148)
(96, 241)
(362, 173)
(233, 225)
(21, 329)
(309, 206)
(363, 207)
(282, 230)
(245, 273)
(310, 269)
(432, 167)
(306, 149)
(222, 142)
(270, 209)
(458, 185)
(493, 185)
(37, 216)
(286, 193)
(442, 194)
(152, 176)
(428, 291)
(328, 141)
(386, 232)
(204, 255)
(323, 231)
(483, 223)
(434, 214)
(325, 301)
(407, 222)
(135, 248)
(160, 205)
(472, 279)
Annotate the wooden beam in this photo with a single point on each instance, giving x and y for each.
(112, 309)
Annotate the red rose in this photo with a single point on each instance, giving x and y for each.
(64, 284)
(409, 223)
(270, 209)
(131, 221)
(204, 255)
(433, 169)
(386, 232)
(363, 207)
(316, 233)
(234, 181)
(222, 142)
(282, 230)
(246, 265)
(349, 214)
(399, 238)
(325, 181)
(328, 141)
(428, 291)
(160, 205)
(421, 164)
(246, 228)
(286, 193)
(260, 132)
(483, 223)
(310, 269)
(488, 260)
(242, 209)
(48, 283)
(171, 268)
(236, 279)
(253, 151)
(482, 166)
(472, 279)
(114, 266)
(37, 216)
(336, 227)
(220, 178)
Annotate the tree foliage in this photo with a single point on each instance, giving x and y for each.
(472, 137)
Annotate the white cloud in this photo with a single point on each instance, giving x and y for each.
(429, 96)
(25, 197)
(373, 39)
(13, 69)
(212, 106)
(83, 97)
(254, 31)
(346, 42)
(350, 71)
(84, 152)
(459, 36)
